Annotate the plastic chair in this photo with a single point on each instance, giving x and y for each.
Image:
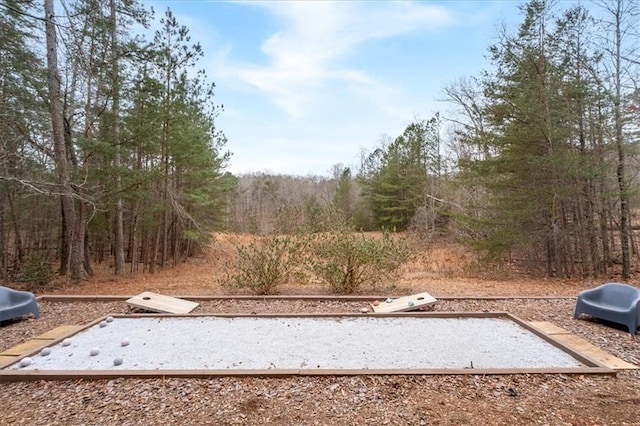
(15, 303)
(615, 302)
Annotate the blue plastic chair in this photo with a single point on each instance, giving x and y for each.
(15, 303)
(615, 302)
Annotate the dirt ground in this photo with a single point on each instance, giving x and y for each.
(526, 399)
(444, 269)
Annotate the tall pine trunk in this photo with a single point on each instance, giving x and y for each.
(75, 259)
(620, 170)
(119, 222)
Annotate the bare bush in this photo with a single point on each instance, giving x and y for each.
(264, 264)
(348, 261)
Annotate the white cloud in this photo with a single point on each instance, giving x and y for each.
(316, 82)
(304, 58)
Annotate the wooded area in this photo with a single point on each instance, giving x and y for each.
(110, 151)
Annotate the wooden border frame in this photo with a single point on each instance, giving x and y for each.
(115, 298)
(591, 366)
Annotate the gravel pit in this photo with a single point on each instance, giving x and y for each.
(303, 343)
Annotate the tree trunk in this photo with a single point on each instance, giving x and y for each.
(165, 214)
(620, 170)
(133, 241)
(75, 260)
(87, 260)
(622, 25)
(3, 246)
(64, 242)
(153, 261)
(119, 224)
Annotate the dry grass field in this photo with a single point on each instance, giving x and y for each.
(444, 269)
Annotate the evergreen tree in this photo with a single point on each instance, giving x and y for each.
(23, 120)
(134, 138)
(343, 199)
(396, 178)
(546, 165)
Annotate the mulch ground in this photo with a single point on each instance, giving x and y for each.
(525, 399)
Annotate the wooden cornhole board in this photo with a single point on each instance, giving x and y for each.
(160, 303)
(404, 304)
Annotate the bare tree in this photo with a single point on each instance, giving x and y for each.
(621, 35)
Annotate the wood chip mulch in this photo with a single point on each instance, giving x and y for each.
(387, 400)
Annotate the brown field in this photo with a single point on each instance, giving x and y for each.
(443, 270)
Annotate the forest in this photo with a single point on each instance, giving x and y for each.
(110, 152)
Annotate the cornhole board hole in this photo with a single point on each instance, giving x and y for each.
(404, 304)
(160, 303)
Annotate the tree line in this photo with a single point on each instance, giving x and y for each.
(110, 150)
(108, 140)
(549, 138)
(535, 163)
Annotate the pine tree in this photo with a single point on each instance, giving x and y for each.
(396, 177)
(23, 119)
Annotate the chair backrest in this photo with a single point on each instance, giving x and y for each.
(618, 294)
(4, 296)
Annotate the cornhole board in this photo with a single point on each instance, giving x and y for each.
(404, 304)
(581, 345)
(160, 303)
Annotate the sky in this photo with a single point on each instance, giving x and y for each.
(307, 85)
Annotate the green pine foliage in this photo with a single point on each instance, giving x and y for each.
(36, 272)
(396, 177)
(545, 148)
(547, 169)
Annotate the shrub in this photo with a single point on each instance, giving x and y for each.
(264, 264)
(36, 272)
(347, 261)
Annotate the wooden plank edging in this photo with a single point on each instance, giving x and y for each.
(592, 366)
(116, 298)
(32, 375)
(583, 346)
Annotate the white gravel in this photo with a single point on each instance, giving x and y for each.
(367, 342)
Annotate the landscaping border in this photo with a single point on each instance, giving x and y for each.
(592, 366)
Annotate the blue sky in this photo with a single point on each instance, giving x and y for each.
(310, 84)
